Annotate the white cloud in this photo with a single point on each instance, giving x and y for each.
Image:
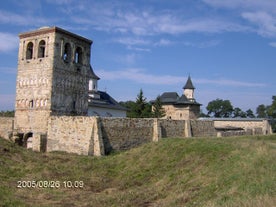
(164, 42)
(227, 82)
(141, 22)
(22, 20)
(129, 41)
(265, 22)
(141, 76)
(261, 14)
(268, 5)
(205, 44)
(8, 42)
(272, 44)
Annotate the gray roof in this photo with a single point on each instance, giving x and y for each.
(169, 97)
(173, 98)
(189, 84)
(105, 101)
(93, 75)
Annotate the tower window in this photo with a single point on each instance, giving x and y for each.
(78, 55)
(41, 49)
(29, 51)
(31, 104)
(67, 52)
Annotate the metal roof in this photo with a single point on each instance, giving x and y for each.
(189, 84)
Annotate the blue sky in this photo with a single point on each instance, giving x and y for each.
(228, 47)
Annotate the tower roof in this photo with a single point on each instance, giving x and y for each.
(189, 84)
(93, 75)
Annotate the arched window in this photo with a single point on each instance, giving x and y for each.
(78, 55)
(67, 52)
(29, 51)
(41, 49)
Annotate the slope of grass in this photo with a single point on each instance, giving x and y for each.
(238, 171)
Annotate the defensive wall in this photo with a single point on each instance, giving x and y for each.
(99, 136)
(6, 127)
(241, 126)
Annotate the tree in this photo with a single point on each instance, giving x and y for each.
(140, 104)
(7, 113)
(271, 110)
(138, 109)
(250, 114)
(158, 110)
(130, 105)
(261, 111)
(220, 108)
(237, 112)
(268, 112)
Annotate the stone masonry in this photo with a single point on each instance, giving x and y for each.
(52, 103)
(52, 78)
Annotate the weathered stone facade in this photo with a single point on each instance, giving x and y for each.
(52, 78)
(181, 107)
(181, 112)
(112, 133)
(6, 127)
(247, 126)
(98, 136)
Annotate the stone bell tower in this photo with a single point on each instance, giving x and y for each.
(52, 78)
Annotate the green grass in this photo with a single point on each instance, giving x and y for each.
(237, 171)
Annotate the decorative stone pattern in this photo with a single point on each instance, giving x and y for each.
(52, 77)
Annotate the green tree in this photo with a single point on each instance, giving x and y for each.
(220, 108)
(261, 111)
(130, 105)
(140, 105)
(158, 110)
(237, 112)
(7, 113)
(250, 113)
(138, 109)
(271, 111)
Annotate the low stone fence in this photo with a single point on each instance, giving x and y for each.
(6, 127)
(202, 128)
(125, 133)
(98, 136)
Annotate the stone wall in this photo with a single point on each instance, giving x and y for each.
(125, 133)
(71, 134)
(202, 128)
(98, 136)
(6, 127)
(94, 135)
(250, 126)
(172, 128)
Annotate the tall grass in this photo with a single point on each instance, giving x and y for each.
(223, 172)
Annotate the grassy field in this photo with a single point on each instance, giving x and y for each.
(238, 171)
